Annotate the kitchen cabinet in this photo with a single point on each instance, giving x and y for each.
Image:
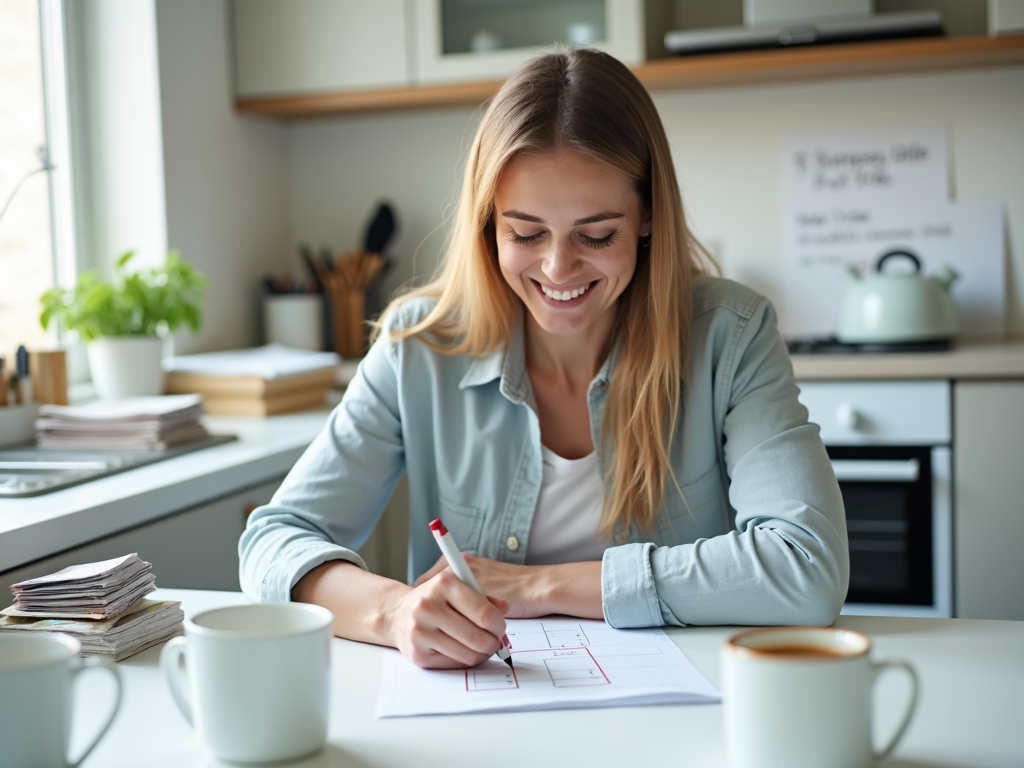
(319, 46)
(473, 40)
(463, 79)
(988, 444)
(193, 549)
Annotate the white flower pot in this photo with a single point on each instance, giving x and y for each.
(126, 366)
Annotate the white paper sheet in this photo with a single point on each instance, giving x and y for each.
(271, 361)
(892, 166)
(559, 664)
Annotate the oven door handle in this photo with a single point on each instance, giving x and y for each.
(877, 470)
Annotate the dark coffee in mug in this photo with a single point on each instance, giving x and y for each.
(793, 651)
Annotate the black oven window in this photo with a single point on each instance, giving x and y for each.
(876, 520)
(890, 529)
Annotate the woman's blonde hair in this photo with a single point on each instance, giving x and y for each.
(590, 103)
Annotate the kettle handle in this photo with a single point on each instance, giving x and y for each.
(886, 256)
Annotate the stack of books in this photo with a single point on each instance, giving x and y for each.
(101, 604)
(255, 382)
(134, 423)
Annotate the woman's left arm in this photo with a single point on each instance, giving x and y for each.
(786, 558)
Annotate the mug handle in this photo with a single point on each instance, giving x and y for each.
(878, 667)
(94, 663)
(170, 662)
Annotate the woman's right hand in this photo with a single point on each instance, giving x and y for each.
(443, 624)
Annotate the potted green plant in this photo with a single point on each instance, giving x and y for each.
(124, 321)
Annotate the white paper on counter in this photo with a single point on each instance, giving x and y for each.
(968, 237)
(271, 361)
(559, 664)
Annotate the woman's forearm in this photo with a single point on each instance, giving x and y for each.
(361, 602)
(573, 589)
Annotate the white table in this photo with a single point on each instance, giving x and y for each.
(971, 711)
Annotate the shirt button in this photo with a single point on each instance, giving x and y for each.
(512, 543)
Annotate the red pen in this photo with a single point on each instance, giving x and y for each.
(457, 563)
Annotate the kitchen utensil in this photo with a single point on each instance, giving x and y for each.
(308, 260)
(889, 308)
(327, 258)
(380, 230)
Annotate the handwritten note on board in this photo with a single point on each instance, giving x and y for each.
(849, 198)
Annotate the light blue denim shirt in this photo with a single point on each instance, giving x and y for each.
(758, 536)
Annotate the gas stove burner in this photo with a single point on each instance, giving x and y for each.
(830, 345)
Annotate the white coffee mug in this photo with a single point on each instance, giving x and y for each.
(800, 697)
(37, 674)
(257, 687)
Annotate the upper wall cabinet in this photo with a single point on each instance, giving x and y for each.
(319, 46)
(467, 40)
(298, 58)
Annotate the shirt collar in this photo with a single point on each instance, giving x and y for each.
(509, 364)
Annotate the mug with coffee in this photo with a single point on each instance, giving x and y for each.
(256, 682)
(800, 697)
(37, 675)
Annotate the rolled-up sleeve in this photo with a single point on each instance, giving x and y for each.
(329, 503)
(785, 560)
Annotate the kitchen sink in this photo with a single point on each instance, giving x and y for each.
(28, 470)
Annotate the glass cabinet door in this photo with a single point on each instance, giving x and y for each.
(462, 40)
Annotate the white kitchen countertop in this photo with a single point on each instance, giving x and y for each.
(964, 361)
(972, 693)
(39, 526)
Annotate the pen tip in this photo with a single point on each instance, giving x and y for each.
(509, 662)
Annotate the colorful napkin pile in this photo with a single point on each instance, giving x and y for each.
(102, 604)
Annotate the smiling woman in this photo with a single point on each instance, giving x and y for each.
(605, 429)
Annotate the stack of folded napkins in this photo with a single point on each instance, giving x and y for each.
(152, 423)
(102, 604)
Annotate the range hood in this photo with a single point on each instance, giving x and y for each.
(785, 23)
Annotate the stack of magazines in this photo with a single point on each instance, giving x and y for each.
(152, 423)
(102, 604)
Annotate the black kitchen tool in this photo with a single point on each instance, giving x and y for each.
(380, 230)
(327, 258)
(309, 262)
(21, 358)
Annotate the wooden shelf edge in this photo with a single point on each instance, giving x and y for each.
(708, 70)
(376, 100)
(815, 62)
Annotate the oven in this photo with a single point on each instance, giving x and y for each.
(890, 447)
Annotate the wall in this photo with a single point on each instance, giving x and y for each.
(166, 163)
(727, 145)
(226, 176)
(117, 134)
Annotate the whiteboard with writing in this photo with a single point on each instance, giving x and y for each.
(849, 198)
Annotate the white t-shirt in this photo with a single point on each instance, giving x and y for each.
(568, 512)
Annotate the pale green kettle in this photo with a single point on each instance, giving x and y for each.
(897, 308)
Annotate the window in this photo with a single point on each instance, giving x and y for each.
(33, 227)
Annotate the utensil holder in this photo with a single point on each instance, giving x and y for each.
(295, 320)
(348, 322)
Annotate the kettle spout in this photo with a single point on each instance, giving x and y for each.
(946, 276)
